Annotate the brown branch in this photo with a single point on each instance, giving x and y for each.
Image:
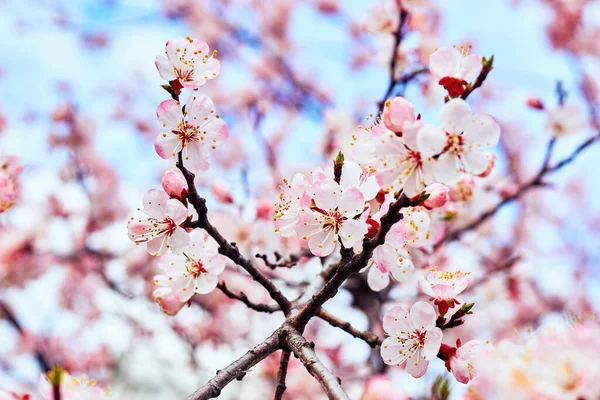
(268, 308)
(7, 313)
(229, 250)
(238, 369)
(305, 352)
(536, 181)
(282, 374)
(369, 337)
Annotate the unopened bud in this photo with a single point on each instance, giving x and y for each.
(439, 195)
(174, 184)
(535, 103)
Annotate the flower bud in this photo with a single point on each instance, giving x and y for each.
(396, 112)
(174, 184)
(439, 195)
(169, 304)
(222, 192)
(491, 163)
(535, 103)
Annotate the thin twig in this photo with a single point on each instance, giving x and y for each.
(369, 337)
(261, 307)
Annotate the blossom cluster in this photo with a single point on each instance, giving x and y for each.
(189, 262)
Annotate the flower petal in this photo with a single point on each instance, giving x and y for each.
(447, 169)
(422, 315)
(431, 140)
(376, 279)
(353, 231)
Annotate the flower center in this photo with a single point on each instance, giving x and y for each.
(333, 219)
(187, 133)
(454, 143)
(196, 268)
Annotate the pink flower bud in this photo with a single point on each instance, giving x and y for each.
(439, 195)
(169, 304)
(265, 211)
(396, 112)
(221, 192)
(491, 163)
(535, 103)
(174, 184)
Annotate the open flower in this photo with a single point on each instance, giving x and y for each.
(454, 68)
(193, 131)
(444, 286)
(159, 228)
(195, 270)
(332, 215)
(413, 337)
(390, 259)
(72, 388)
(293, 196)
(457, 143)
(398, 163)
(188, 63)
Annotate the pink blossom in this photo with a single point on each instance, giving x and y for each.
(332, 215)
(160, 227)
(222, 192)
(454, 68)
(397, 112)
(439, 195)
(195, 270)
(390, 259)
(413, 337)
(193, 132)
(174, 184)
(457, 144)
(188, 62)
(564, 120)
(291, 199)
(7, 192)
(463, 190)
(461, 363)
(444, 286)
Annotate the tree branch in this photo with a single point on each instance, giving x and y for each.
(6, 312)
(238, 368)
(305, 352)
(229, 250)
(369, 337)
(281, 374)
(268, 308)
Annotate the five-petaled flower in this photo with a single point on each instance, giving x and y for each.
(193, 130)
(195, 270)
(455, 68)
(331, 215)
(188, 63)
(461, 362)
(457, 143)
(160, 227)
(444, 286)
(413, 337)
